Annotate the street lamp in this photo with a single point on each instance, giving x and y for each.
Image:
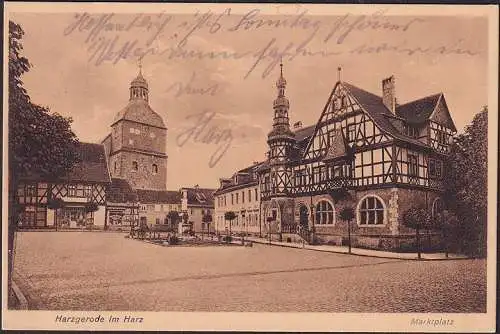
(244, 225)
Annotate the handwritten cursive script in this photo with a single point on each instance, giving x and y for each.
(189, 88)
(204, 131)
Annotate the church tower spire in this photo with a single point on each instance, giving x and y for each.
(139, 87)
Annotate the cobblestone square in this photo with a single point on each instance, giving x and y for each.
(106, 271)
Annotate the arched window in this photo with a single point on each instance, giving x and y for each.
(324, 213)
(437, 207)
(155, 169)
(371, 211)
(135, 165)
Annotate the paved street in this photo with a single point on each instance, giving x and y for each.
(105, 271)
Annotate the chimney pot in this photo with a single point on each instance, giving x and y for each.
(389, 93)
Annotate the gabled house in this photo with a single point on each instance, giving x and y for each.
(81, 191)
(365, 151)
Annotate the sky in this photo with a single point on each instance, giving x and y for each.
(221, 67)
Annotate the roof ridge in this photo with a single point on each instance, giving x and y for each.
(420, 99)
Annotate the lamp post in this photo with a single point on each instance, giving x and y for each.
(244, 226)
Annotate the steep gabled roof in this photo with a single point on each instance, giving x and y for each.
(159, 196)
(120, 191)
(378, 112)
(92, 166)
(420, 110)
(303, 133)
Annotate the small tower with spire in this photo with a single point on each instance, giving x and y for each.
(280, 140)
(139, 86)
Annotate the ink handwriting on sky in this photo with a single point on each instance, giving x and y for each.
(108, 37)
(192, 87)
(203, 130)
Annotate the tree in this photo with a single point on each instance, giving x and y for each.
(174, 217)
(467, 182)
(448, 224)
(230, 215)
(207, 219)
(417, 218)
(39, 143)
(347, 214)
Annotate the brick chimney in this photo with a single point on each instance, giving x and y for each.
(389, 93)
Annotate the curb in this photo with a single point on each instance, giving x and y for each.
(23, 302)
(357, 254)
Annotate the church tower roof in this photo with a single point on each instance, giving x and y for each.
(138, 109)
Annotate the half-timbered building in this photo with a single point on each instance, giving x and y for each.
(367, 152)
(81, 194)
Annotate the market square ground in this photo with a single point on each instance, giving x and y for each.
(106, 271)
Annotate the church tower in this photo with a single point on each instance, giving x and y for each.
(280, 141)
(136, 147)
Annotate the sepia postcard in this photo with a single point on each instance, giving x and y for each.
(259, 167)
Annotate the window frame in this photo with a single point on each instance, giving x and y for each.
(360, 211)
(327, 213)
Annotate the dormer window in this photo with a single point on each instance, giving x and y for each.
(201, 197)
(412, 131)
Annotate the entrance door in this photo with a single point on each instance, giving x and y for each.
(304, 216)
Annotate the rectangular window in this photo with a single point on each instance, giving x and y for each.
(30, 190)
(242, 197)
(412, 164)
(157, 220)
(412, 131)
(232, 199)
(249, 195)
(432, 167)
(351, 132)
(237, 198)
(439, 168)
(71, 190)
(316, 175)
(256, 198)
(87, 191)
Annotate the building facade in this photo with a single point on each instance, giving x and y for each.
(155, 206)
(241, 195)
(366, 152)
(136, 146)
(81, 194)
(197, 203)
(122, 206)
